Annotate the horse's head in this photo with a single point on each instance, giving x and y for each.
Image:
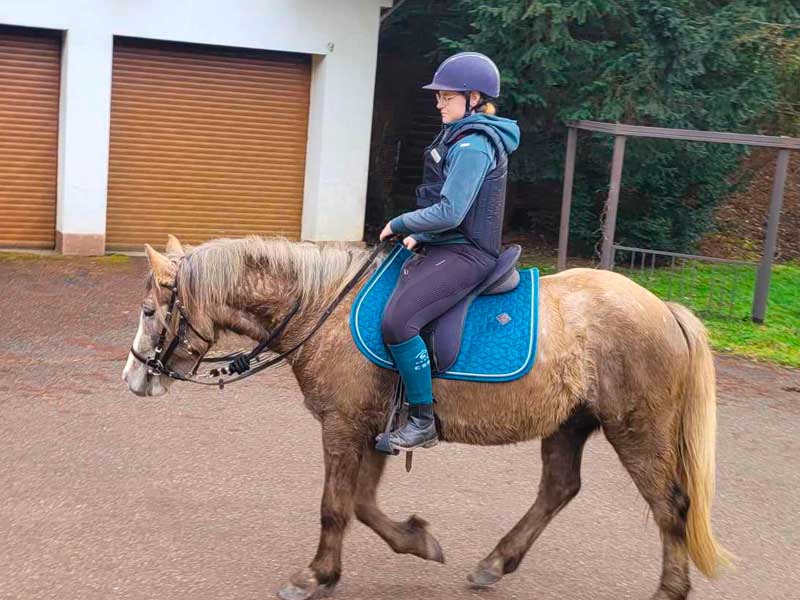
(251, 286)
(161, 337)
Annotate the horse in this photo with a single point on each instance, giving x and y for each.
(611, 356)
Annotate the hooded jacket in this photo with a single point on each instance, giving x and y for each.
(462, 196)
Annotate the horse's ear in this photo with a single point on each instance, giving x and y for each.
(163, 268)
(173, 245)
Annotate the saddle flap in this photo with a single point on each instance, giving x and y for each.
(443, 335)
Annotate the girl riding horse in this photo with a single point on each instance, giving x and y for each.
(458, 224)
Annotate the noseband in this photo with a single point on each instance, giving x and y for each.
(239, 362)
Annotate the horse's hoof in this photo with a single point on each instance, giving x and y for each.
(304, 585)
(432, 551)
(486, 574)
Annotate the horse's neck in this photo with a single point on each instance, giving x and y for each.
(302, 323)
(312, 309)
(329, 343)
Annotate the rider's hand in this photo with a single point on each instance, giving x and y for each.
(387, 232)
(409, 242)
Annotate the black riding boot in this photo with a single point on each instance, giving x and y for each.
(419, 431)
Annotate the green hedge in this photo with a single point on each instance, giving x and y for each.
(727, 66)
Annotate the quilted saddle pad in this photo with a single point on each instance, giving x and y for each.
(498, 339)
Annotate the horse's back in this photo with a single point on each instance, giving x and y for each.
(604, 303)
(629, 339)
(599, 333)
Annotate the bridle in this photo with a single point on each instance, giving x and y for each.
(240, 364)
(157, 364)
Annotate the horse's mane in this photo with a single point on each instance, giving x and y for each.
(211, 271)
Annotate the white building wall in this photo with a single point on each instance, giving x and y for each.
(341, 36)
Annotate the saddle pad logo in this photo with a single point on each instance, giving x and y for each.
(503, 318)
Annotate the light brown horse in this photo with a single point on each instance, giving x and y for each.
(610, 355)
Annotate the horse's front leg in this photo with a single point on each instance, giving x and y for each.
(343, 453)
(404, 537)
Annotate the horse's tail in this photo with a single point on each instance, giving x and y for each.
(696, 445)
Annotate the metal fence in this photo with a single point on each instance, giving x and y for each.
(621, 132)
(714, 287)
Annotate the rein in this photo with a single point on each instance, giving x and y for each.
(240, 362)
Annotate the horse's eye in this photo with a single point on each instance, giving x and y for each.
(148, 311)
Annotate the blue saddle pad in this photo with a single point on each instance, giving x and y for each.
(499, 335)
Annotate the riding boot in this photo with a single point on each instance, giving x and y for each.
(413, 363)
(419, 431)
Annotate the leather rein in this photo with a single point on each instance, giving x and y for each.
(240, 364)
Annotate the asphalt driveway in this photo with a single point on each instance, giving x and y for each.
(193, 495)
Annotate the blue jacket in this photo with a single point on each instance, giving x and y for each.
(466, 165)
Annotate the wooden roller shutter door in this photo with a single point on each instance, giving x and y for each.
(205, 142)
(30, 74)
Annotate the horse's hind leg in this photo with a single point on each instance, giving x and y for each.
(342, 460)
(560, 482)
(649, 456)
(407, 537)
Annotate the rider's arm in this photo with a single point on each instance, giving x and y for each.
(468, 162)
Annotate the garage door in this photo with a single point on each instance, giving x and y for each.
(29, 87)
(205, 142)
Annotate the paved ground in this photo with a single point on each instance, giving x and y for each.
(106, 495)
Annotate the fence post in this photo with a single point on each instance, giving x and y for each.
(607, 258)
(770, 240)
(566, 197)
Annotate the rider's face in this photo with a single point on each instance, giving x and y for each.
(451, 105)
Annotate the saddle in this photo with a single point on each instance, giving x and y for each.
(490, 335)
(443, 336)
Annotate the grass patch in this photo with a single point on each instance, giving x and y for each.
(112, 259)
(107, 259)
(9, 256)
(722, 296)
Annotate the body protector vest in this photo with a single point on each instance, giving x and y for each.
(483, 224)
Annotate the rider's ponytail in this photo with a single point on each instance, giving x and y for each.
(487, 108)
(485, 105)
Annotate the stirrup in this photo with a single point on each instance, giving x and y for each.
(382, 444)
